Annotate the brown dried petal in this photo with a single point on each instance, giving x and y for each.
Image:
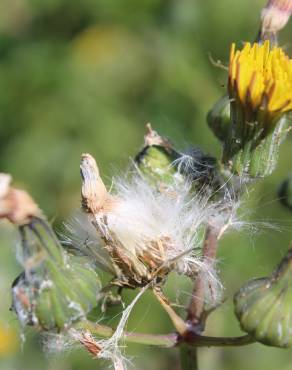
(95, 197)
(89, 344)
(153, 138)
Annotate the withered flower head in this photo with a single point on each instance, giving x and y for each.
(16, 205)
(139, 232)
(274, 17)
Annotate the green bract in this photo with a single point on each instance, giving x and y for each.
(163, 165)
(264, 306)
(219, 118)
(155, 162)
(251, 148)
(55, 289)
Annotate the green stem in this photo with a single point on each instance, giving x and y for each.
(204, 341)
(165, 340)
(195, 316)
(188, 357)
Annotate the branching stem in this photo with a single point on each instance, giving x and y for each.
(195, 316)
(165, 340)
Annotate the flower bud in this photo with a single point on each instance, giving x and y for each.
(156, 158)
(260, 93)
(164, 166)
(263, 306)
(55, 289)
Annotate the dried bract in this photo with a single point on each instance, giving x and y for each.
(16, 205)
(274, 17)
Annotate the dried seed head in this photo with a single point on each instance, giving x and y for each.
(274, 17)
(16, 205)
(147, 231)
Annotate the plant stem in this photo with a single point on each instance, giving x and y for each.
(165, 340)
(196, 307)
(195, 319)
(205, 341)
(188, 357)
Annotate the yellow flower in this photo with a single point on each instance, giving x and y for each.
(261, 78)
(8, 340)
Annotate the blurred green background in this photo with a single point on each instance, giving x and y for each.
(85, 76)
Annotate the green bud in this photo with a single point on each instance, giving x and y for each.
(55, 289)
(263, 306)
(163, 165)
(156, 163)
(156, 158)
